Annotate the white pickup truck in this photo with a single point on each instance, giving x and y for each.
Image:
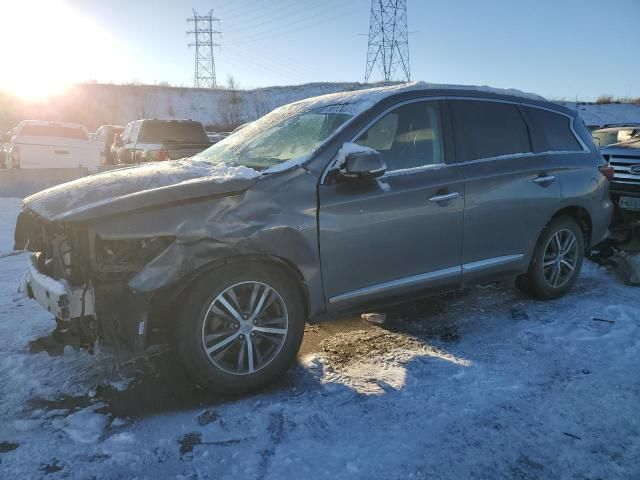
(44, 144)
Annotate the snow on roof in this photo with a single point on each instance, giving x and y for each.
(364, 99)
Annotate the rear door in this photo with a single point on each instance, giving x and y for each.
(401, 233)
(511, 193)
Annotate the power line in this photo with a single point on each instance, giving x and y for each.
(254, 12)
(290, 15)
(205, 66)
(388, 45)
(300, 24)
(262, 56)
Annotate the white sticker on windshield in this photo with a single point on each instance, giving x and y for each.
(349, 108)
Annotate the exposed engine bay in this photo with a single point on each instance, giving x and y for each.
(89, 295)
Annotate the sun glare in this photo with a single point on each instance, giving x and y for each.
(50, 46)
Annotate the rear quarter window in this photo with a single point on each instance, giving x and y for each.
(486, 129)
(159, 132)
(550, 132)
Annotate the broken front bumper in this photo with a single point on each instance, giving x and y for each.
(57, 296)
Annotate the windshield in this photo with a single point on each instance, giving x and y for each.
(159, 132)
(278, 137)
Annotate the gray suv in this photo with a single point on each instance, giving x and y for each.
(341, 203)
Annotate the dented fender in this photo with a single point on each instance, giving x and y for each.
(275, 219)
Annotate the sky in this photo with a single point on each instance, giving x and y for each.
(562, 49)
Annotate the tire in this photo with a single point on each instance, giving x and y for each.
(546, 280)
(224, 298)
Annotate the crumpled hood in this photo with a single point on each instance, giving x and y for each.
(138, 187)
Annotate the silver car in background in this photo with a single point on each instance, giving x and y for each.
(341, 203)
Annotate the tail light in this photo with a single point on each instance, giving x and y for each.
(607, 170)
(15, 157)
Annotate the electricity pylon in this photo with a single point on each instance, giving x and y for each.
(388, 40)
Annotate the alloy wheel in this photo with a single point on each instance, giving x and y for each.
(560, 258)
(245, 327)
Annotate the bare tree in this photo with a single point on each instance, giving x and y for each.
(261, 105)
(231, 104)
(604, 99)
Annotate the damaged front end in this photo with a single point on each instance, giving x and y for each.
(82, 280)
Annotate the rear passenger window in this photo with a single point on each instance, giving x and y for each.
(550, 132)
(485, 129)
(408, 137)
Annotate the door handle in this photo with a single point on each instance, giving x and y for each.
(444, 197)
(542, 179)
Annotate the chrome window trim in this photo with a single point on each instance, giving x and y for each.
(421, 277)
(394, 173)
(407, 171)
(515, 155)
(523, 103)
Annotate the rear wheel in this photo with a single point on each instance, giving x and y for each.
(242, 326)
(556, 261)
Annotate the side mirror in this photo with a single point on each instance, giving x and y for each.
(365, 164)
(118, 140)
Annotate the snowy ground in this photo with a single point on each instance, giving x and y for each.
(483, 384)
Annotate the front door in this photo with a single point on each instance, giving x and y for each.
(400, 233)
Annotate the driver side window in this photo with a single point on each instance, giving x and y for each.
(408, 137)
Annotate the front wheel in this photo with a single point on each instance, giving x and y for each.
(556, 261)
(241, 327)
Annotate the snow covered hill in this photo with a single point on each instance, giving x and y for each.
(95, 105)
(602, 114)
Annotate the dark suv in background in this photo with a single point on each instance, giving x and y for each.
(157, 140)
(624, 159)
(341, 203)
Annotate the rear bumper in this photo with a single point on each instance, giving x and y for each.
(57, 296)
